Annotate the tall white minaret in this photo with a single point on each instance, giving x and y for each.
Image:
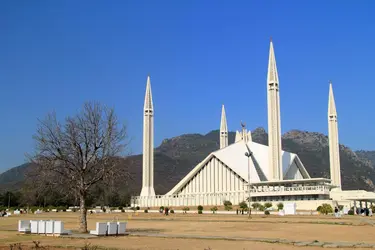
(223, 129)
(148, 144)
(274, 127)
(333, 137)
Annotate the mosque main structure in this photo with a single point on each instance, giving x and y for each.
(248, 169)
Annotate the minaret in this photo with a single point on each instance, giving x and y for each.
(274, 127)
(223, 129)
(333, 137)
(148, 144)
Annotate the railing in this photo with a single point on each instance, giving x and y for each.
(217, 198)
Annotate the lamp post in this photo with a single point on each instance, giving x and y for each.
(248, 154)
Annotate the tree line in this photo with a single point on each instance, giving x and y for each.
(98, 197)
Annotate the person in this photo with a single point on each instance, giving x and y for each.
(166, 211)
(367, 212)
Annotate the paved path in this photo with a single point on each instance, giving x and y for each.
(267, 240)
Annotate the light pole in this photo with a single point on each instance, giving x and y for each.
(248, 154)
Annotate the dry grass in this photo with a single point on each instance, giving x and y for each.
(322, 228)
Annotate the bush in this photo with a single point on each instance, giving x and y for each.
(261, 207)
(146, 211)
(255, 205)
(280, 206)
(243, 206)
(120, 207)
(228, 205)
(267, 212)
(325, 209)
(267, 204)
(172, 211)
(200, 211)
(138, 207)
(200, 207)
(214, 209)
(319, 208)
(185, 209)
(351, 212)
(161, 208)
(122, 210)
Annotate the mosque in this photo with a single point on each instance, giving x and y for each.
(249, 171)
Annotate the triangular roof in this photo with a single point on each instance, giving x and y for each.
(234, 158)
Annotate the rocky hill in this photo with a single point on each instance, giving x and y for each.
(175, 157)
(368, 156)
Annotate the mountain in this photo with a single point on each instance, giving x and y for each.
(368, 156)
(175, 157)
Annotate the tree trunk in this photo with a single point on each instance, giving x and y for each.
(83, 214)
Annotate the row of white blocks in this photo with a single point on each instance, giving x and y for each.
(109, 228)
(42, 227)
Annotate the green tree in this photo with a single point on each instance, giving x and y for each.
(228, 205)
(267, 204)
(243, 206)
(280, 206)
(325, 209)
(214, 209)
(255, 205)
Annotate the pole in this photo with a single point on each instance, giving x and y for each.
(248, 164)
(248, 154)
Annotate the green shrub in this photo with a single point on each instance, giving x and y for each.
(200, 207)
(120, 207)
(319, 208)
(261, 207)
(351, 212)
(228, 205)
(200, 211)
(267, 212)
(280, 206)
(185, 209)
(172, 211)
(255, 205)
(214, 209)
(326, 209)
(122, 210)
(138, 207)
(146, 211)
(267, 205)
(161, 208)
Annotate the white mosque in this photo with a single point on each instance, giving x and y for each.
(247, 169)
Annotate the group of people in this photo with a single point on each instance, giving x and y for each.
(3, 213)
(364, 211)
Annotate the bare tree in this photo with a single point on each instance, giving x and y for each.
(80, 153)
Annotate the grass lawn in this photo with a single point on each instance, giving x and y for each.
(301, 228)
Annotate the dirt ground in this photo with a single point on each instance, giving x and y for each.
(302, 228)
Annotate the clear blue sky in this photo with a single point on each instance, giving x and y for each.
(55, 55)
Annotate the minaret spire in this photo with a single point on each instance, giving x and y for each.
(223, 129)
(148, 144)
(274, 127)
(333, 137)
